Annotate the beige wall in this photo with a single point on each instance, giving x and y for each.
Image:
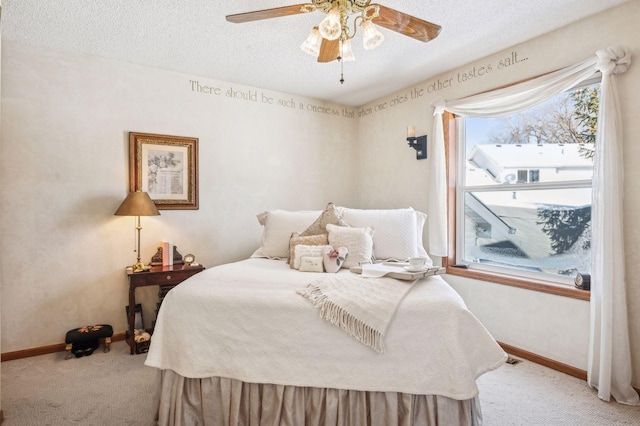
(65, 129)
(64, 172)
(552, 326)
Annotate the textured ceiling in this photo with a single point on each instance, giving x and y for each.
(193, 37)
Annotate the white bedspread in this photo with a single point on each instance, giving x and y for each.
(245, 321)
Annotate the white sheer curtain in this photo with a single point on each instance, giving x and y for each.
(609, 367)
(609, 353)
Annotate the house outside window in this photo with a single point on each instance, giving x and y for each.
(523, 192)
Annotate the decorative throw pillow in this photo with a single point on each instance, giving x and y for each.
(302, 250)
(358, 242)
(278, 226)
(311, 240)
(311, 264)
(333, 259)
(329, 215)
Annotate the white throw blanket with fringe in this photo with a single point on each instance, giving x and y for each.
(363, 307)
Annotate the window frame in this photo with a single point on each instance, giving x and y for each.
(449, 262)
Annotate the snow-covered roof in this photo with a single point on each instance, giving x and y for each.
(530, 156)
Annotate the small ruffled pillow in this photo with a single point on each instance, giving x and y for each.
(311, 264)
(302, 250)
(333, 259)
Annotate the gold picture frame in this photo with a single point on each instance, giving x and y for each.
(165, 167)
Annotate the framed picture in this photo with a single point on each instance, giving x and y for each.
(165, 167)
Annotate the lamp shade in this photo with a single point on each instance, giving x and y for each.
(137, 204)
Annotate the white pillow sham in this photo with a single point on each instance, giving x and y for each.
(421, 218)
(398, 232)
(278, 226)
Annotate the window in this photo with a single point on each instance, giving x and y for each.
(523, 192)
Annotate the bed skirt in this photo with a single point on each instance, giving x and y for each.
(220, 401)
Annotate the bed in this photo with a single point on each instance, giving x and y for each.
(247, 344)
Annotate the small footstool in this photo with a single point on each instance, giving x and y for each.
(83, 341)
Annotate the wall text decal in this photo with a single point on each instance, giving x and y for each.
(253, 95)
(460, 77)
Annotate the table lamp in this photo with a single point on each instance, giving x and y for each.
(138, 204)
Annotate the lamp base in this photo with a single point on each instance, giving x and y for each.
(140, 267)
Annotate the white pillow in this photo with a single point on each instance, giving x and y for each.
(358, 242)
(421, 218)
(302, 250)
(397, 235)
(278, 226)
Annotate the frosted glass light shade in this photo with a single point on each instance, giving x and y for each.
(346, 53)
(330, 27)
(312, 44)
(371, 37)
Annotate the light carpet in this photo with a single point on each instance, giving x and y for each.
(117, 389)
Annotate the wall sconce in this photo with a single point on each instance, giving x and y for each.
(418, 143)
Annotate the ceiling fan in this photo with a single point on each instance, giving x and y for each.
(330, 40)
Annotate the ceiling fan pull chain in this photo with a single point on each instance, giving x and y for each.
(341, 70)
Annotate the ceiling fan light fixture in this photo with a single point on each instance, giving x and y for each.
(330, 40)
(312, 44)
(346, 53)
(371, 36)
(330, 27)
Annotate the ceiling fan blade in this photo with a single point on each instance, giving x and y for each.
(277, 12)
(329, 50)
(406, 24)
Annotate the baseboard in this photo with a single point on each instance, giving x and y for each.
(554, 365)
(530, 356)
(43, 350)
(547, 362)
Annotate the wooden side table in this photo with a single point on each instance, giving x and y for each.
(157, 275)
